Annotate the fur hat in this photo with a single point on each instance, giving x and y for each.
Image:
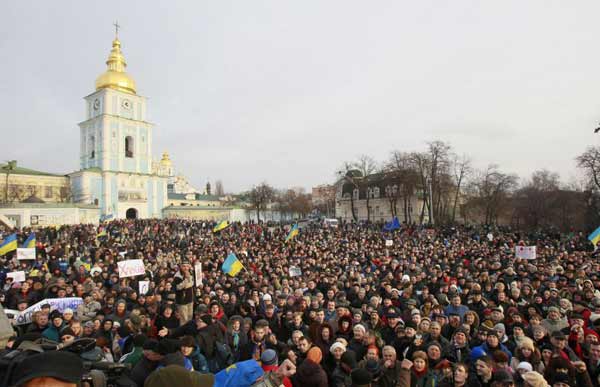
(526, 342)
(535, 379)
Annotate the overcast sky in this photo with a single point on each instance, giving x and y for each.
(285, 91)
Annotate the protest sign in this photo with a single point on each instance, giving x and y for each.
(525, 252)
(25, 253)
(295, 271)
(198, 273)
(59, 304)
(389, 242)
(17, 276)
(144, 285)
(490, 237)
(131, 268)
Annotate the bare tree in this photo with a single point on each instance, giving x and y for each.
(366, 165)
(489, 192)
(219, 188)
(589, 162)
(405, 176)
(462, 169)
(260, 196)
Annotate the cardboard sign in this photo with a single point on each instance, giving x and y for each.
(59, 304)
(25, 253)
(198, 273)
(525, 252)
(389, 242)
(295, 271)
(17, 276)
(144, 286)
(131, 268)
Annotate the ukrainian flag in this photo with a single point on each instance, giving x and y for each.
(595, 237)
(232, 265)
(293, 232)
(221, 226)
(101, 234)
(9, 244)
(30, 241)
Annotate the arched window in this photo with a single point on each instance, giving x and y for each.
(355, 193)
(92, 147)
(376, 192)
(128, 146)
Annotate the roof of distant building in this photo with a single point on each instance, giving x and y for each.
(25, 171)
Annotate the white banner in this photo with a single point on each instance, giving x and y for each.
(17, 276)
(389, 242)
(525, 252)
(26, 253)
(143, 285)
(198, 273)
(131, 268)
(59, 304)
(295, 271)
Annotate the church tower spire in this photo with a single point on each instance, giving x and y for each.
(115, 76)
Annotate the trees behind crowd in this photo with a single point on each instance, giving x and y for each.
(451, 190)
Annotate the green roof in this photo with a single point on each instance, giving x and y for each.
(25, 171)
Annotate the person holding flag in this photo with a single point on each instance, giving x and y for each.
(221, 226)
(293, 232)
(9, 244)
(30, 241)
(595, 238)
(232, 265)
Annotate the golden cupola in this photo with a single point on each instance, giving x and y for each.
(115, 76)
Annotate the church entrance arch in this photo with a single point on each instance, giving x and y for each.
(131, 213)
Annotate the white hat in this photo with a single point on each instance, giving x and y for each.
(335, 345)
(524, 365)
(267, 297)
(405, 278)
(67, 311)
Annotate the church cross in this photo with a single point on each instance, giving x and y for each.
(117, 26)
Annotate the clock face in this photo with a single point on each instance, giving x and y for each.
(96, 104)
(126, 104)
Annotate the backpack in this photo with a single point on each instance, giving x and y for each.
(223, 358)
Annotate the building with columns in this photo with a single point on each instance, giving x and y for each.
(117, 172)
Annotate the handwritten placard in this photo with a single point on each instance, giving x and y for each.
(131, 268)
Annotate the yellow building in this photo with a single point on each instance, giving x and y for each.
(30, 186)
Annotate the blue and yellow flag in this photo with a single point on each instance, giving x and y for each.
(101, 234)
(30, 241)
(595, 237)
(293, 232)
(9, 244)
(232, 265)
(221, 226)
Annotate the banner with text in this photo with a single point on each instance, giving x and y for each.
(25, 253)
(525, 252)
(198, 273)
(59, 304)
(131, 268)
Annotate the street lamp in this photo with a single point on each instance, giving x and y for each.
(10, 166)
(430, 193)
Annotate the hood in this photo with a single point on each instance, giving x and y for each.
(309, 373)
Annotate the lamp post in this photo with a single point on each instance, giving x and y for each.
(430, 193)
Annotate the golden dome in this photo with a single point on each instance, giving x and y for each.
(115, 76)
(165, 159)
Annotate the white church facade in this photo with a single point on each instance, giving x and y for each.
(117, 172)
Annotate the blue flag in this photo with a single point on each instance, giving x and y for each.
(393, 225)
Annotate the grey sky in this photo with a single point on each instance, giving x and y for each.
(285, 91)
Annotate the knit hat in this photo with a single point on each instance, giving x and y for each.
(526, 342)
(337, 345)
(269, 357)
(314, 354)
(174, 375)
(360, 327)
(534, 379)
(419, 355)
(500, 328)
(524, 365)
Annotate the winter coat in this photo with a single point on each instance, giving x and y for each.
(87, 312)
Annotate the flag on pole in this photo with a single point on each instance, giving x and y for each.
(595, 237)
(30, 241)
(101, 234)
(293, 232)
(221, 226)
(232, 265)
(9, 244)
(393, 225)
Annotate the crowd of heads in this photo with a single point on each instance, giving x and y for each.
(340, 306)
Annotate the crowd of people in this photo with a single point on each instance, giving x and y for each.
(334, 306)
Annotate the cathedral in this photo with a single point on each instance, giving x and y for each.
(117, 172)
